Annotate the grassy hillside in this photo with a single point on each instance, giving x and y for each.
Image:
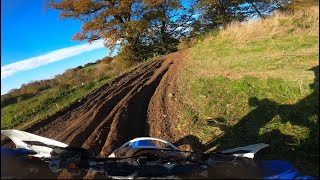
(25, 113)
(67, 89)
(257, 82)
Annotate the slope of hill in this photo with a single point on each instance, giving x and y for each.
(37, 100)
(256, 82)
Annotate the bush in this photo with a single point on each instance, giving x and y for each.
(19, 99)
(106, 60)
(7, 100)
(63, 86)
(184, 43)
(120, 64)
(88, 64)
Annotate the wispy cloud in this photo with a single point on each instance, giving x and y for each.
(50, 57)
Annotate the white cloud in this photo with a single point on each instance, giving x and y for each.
(50, 57)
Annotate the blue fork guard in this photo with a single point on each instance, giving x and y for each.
(277, 169)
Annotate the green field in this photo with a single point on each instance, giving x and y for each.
(25, 113)
(257, 82)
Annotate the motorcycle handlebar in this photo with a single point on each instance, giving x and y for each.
(147, 170)
(126, 167)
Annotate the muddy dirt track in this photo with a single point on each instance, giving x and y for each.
(138, 103)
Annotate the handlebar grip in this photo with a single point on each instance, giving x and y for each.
(143, 170)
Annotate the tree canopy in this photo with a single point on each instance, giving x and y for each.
(144, 28)
(128, 23)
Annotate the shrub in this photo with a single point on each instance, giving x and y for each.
(19, 99)
(184, 43)
(88, 64)
(107, 60)
(62, 86)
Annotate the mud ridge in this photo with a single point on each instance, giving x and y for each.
(134, 104)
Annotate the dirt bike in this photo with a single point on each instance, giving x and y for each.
(147, 157)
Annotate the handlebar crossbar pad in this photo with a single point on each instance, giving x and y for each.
(69, 152)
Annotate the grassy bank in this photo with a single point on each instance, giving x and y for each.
(257, 82)
(24, 114)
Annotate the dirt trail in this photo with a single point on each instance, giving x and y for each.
(138, 103)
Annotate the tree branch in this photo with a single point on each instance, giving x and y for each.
(256, 9)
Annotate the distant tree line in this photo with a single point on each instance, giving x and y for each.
(71, 77)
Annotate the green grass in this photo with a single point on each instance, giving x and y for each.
(241, 91)
(26, 113)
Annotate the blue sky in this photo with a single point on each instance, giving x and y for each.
(31, 35)
(36, 44)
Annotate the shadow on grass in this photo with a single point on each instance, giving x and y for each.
(302, 153)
